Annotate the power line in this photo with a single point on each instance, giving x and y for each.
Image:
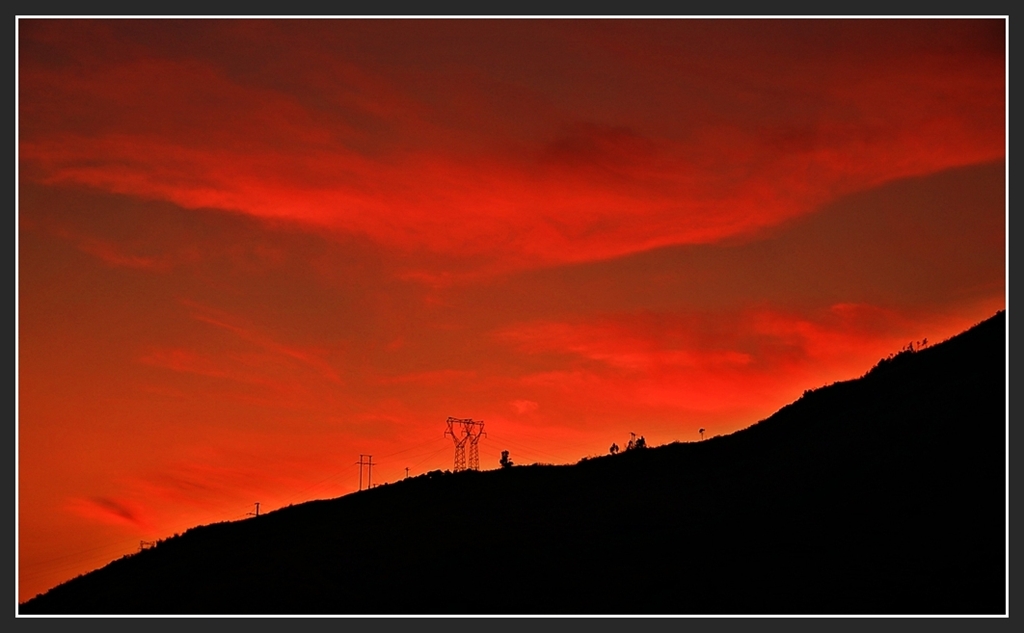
(78, 553)
(526, 449)
(585, 445)
(430, 441)
(319, 483)
(38, 571)
(432, 455)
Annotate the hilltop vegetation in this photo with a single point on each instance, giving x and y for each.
(880, 495)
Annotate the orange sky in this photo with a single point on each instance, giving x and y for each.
(251, 250)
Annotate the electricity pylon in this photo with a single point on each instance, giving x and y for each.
(465, 431)
(474, 447)
(460, 441)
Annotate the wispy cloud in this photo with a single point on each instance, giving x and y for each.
(309, 357)
(112, 511)
(668, 146)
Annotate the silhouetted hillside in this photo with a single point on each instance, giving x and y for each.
(880, 495)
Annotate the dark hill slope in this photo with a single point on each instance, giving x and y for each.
(880, 495)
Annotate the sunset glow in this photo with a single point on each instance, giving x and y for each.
(250, 251)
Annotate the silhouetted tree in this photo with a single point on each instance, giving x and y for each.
(505, 461)
(701, 433)
(614, 448)
(641, 442)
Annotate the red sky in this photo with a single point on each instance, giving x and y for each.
(252, 250)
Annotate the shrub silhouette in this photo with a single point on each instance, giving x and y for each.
(898, 357)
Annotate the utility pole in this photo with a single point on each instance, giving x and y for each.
(257, 513)
(406, 472)
(369, 470)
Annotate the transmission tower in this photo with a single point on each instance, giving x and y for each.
(474, 447)
(460, 440)
(465, 431)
